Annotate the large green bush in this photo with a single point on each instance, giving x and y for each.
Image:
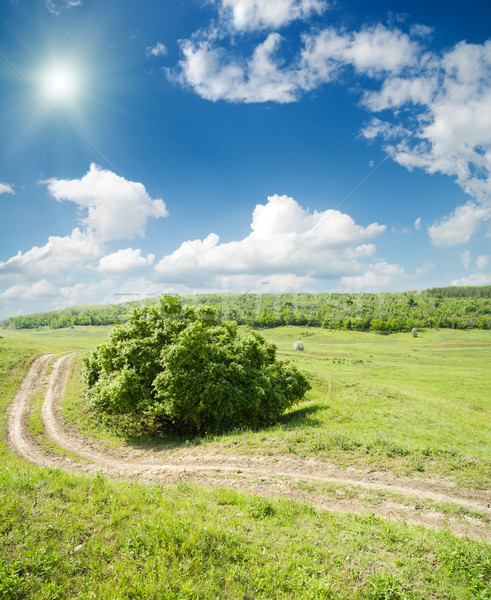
(173, 366)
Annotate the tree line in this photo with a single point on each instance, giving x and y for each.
(452, 307)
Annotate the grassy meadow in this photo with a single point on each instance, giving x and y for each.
(418, 405)
(406, 405)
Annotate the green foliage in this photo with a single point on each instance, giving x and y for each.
(452, 307)
(463, 291)
(174, 366)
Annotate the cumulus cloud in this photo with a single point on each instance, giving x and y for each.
(117, 208)
(371, 51)
(124, 261)
(417, 224)
(286, 243)
(459, 226)
(58, 254)
(450, 95)
(6, 188)
(56, 273)
(158, 50)
(439, 100)
(257, 14)
(215, 73)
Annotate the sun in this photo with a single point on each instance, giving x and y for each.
(60, 83)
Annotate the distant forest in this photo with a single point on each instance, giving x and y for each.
(448, 307)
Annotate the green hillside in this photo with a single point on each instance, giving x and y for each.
(450, 307)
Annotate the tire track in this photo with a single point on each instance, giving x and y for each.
(158, 465)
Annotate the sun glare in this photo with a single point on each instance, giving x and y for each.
(60, 83)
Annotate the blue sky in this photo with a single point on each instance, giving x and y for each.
(241, 145)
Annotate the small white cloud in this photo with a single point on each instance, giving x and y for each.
(417, 224)
(475, 279)
(117, 208)
(6, 188)
(124, 261)
(459, 226)
(56, 6)
(158, 50)
(465, 257)
(422, 31)
(251, 15)
(377, 128)
(482, 261)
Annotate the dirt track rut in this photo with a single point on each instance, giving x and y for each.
(267, 475)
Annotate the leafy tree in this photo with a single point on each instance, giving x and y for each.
(175, 367)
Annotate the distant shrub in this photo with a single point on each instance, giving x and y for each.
(176, 368)
(299, 346)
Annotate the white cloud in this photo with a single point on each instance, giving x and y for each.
(453, 132)
(376, 277)
(215, 73)
(397, 91)
(465, 257)
(124, 261)
(419, 30)
(439, 101)
(371, 51)
(377, 128)
(474, 279)
(417, 224)
(482, 261)
(286, 241)
(56, 6)
(158, 50)
(59, 253)
(459, 226)
(249, 15)
(117, 208)
(39, 290)
(57, 296)
(6, 188)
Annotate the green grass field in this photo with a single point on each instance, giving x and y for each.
(406, 404)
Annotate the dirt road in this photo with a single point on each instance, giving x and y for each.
(277, 475)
